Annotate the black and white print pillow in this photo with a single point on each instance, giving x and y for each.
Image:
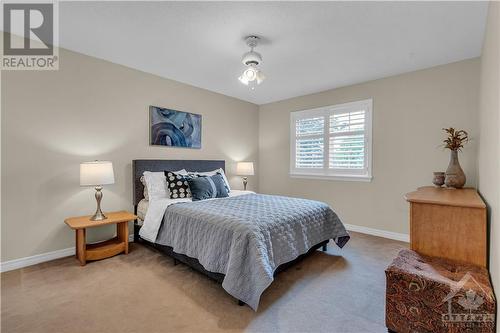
(177, 185)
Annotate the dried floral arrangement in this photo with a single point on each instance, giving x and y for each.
(456, 139)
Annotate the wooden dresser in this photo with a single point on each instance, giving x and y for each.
(448, 223)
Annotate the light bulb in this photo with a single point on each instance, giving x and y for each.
(250, 73)
(251, 76)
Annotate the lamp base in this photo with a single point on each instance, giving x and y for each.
(245, 182)
(98, 215)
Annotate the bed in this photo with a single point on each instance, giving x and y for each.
(241, 241)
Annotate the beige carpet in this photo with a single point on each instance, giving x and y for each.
(338, 291)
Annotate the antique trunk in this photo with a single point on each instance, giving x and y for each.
(433, 295)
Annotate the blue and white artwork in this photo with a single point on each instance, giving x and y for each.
(174, 128)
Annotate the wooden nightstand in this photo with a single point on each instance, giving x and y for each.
(104, 249)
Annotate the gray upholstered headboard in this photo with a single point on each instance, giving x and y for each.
(139, 166)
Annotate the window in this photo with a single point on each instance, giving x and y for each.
(332, 142)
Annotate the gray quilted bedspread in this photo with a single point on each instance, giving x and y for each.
(247, 237)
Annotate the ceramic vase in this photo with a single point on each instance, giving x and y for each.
(438, 179)
(455, 176)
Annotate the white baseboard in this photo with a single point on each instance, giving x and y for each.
(36, 259)
(39, 258)
(378, 232)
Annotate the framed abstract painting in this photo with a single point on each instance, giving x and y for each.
(174, 128)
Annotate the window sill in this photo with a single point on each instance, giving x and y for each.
(350, 178)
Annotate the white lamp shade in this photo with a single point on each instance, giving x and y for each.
(244, 169)
(96, 173)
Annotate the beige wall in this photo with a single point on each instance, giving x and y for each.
(489, 138)
(92, 109)
(409, 111)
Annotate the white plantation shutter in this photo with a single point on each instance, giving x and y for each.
(309, 143)
(347, 152)
(310, 126)
(347, 140)
(310, 153)
(333, 141)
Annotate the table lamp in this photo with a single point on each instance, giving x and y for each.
(96, 174)
(244, 169)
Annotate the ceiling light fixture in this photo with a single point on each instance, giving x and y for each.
(251, 75)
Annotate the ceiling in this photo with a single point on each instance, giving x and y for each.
(308, 47)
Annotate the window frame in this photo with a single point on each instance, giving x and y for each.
(364, 174)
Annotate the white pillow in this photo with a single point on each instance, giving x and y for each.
(156, 184)
(145, 192)
(214, 172)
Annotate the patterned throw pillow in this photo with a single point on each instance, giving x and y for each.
(208, 187)
(177, 185)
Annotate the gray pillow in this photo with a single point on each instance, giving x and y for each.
(207, 187)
